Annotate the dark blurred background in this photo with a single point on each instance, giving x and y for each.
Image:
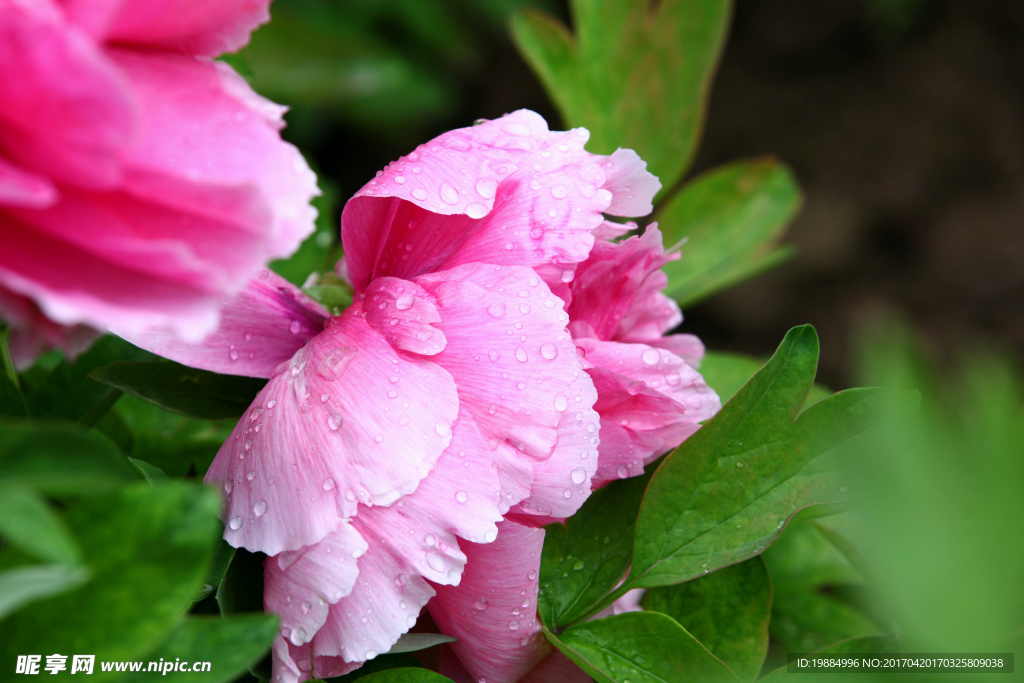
(903, 120)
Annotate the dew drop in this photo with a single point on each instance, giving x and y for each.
(579, 475)
(259, 508)
(400, 179)
(622, 471)
(235, 523)
(378, 438)
(513, 625)
(449, 195)
(435, 562)
(443, 428)
(480, 603)
(493, 356)
(559, 191)
(335, 421)
(233, 355)
(650, 356)
(476, 210)
(419, 193)
(561, 400)
(486, 187)
(306, 607)
(405, 302)
(295, 327)
(521, 354)
(496, 310)
(567, 493)
(461, 496)
(328, 484)
(549, 351)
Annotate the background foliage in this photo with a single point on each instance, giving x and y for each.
(795, 520)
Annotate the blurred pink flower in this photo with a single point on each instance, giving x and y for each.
(140, 181)
(448, 402)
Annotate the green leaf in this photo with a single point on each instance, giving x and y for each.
(27, 522)
(726, 373)
(152, 474)
(727, 491)
(380, 663)
(58, 457)
(147, 549)
(67, 391)
(22, 585)
(405, 675)
(412, 642)
(814, 585)
(732, 218)
(183, 390)
(222, 557)
(585, 559)
(727, 611)
(11, 400)
(636, 73)
(230, 645)
(241, 589)
(642, 647)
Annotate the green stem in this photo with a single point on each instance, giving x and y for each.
(5, 357)
(608, 600)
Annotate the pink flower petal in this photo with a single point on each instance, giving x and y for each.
(19, 187)
(632, 186)
(67, 111)
(686, 346)
(209, 146)
(493, 610)
(32, 334)
(259, 329)
(347, 419)
(405, 314)
(300, 585)
(507, 192)
(384, 604)
(617, 291)
(516, 369)
(198, 27)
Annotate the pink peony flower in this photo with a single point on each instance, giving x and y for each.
(407, 451)
(140, 181)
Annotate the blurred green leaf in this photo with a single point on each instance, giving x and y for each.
(22, 585)
(230, 645)
(584, 559)
(642, 647)
(943, 500)
(241, 589)
(147, 549)
(68, 392)
(727, 611)
(732, 218)
(636, 73)
(183, 390)
(811, 578)
(222, 557)
(152, 474)
(727, 491)
(27, 522)
(11, 401)
(58, 457)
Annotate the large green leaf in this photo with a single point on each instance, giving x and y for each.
(585, 559)
(59, 457)
(641, 647)
(636, 73)
(11, 400)
(67, 391)
(380, 663)
(229, 645)
(726, 373)
(183, 390)
(147, 550)
(727, 491)
(727, 611)
(405, 675)
(732, 218)
(28, 522)
(22, 585)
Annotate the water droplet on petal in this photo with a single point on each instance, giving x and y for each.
(490, 536)
(461, 496)
(486, 187)
(496, 310)
(567, 493)
(405, 302)
(476, 210)
(295, 327)
(449, 195)
(235, 523)
(233, 355)
(328, 484)
(622, 471)
(650, 356)
(513, 625)
(493, 356)
(335, 421)
(559, 191)
(549, 351)
(443, 428)
(419, 193)
(561, 402)
(435, 562)
(579, 475)
(521, 354)
(259, 508)
(480, 603)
